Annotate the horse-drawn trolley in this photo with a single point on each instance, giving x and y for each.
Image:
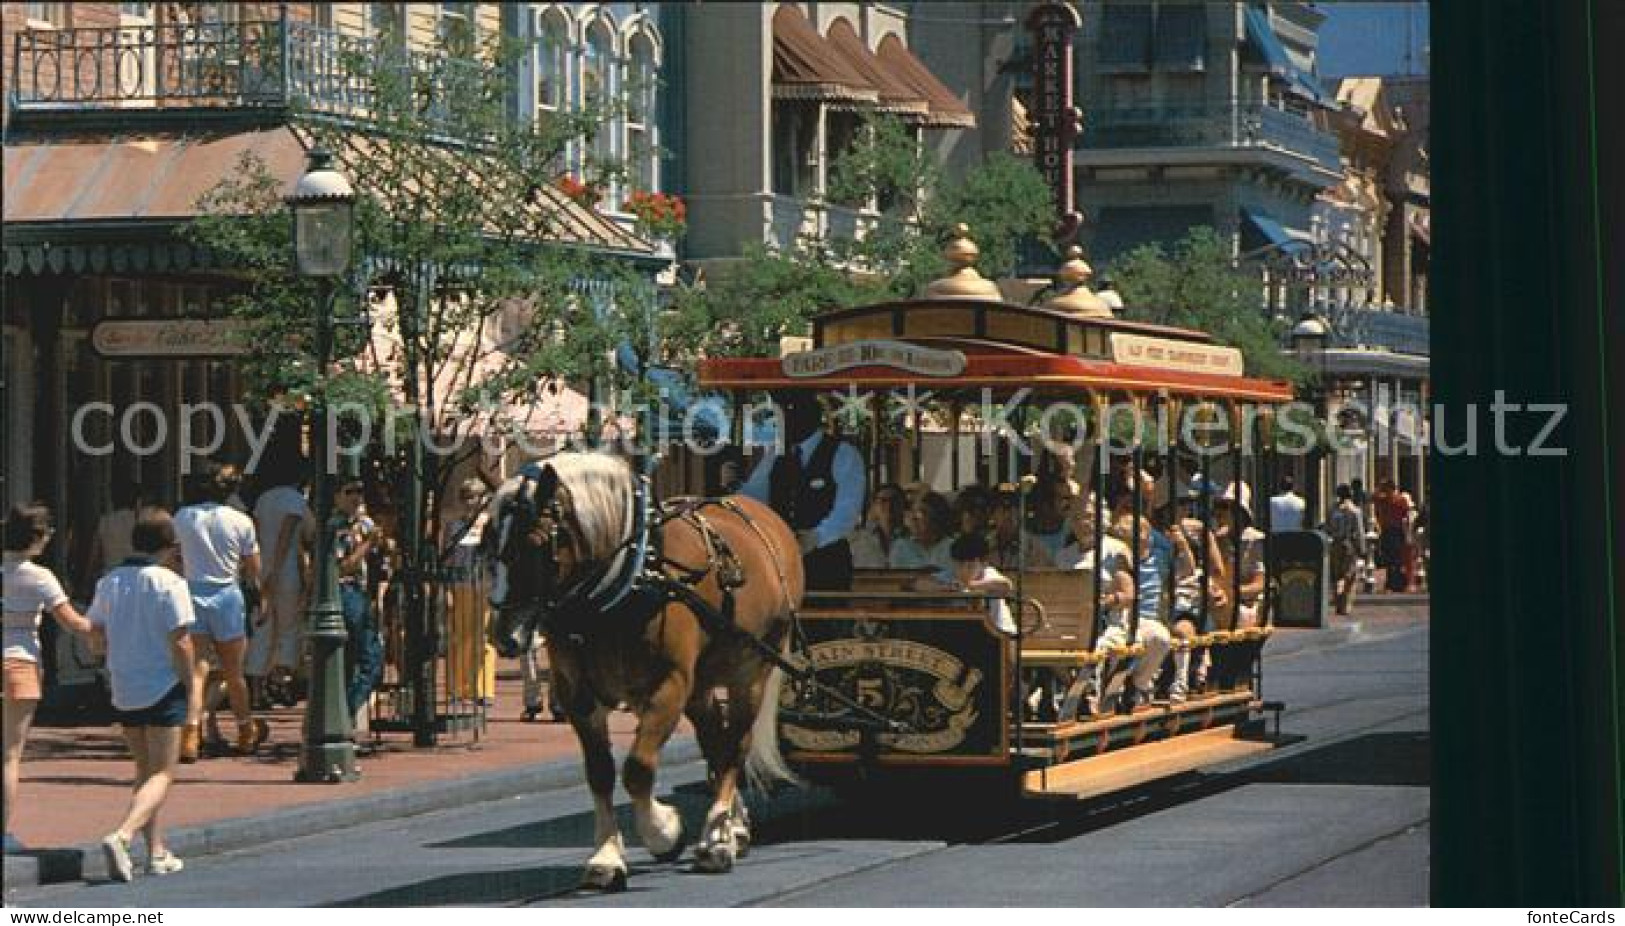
(1111, 465)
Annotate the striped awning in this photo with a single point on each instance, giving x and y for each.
(806, 66)
(895, 95)
(946, 111)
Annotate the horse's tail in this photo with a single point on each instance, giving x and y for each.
(765, 764)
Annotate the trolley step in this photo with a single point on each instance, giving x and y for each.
(1124, 768)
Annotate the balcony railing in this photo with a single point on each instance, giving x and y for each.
(259, 64)
(790, 222)
(1240, 126)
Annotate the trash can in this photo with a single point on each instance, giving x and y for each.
(1300, 576)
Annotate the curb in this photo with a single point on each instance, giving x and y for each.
(84, 863)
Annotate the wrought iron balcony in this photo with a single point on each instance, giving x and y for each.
(1239, 127)
(243, 65)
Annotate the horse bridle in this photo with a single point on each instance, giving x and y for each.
(524, 519)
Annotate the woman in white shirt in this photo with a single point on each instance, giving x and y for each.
(30, 591)
(219, 549)
(930, 523)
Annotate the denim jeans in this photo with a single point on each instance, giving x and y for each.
(363, 650)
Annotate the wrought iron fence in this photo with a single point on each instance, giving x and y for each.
(249, 64)
(193, 64)
(1240, 126)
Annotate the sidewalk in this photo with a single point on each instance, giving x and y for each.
(76, 780)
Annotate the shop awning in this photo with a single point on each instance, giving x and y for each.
(806, 66)
(895, 95)
(121, 177)
(946, 109)
(77, 183)
(1272, 231)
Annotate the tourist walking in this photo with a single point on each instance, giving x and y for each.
(145, 610)
(286, 529)
(219, 552)
(31, 591)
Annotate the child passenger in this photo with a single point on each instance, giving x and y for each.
(971, 572)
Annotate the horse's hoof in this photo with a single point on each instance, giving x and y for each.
(670, 855)
(714, 860)
(662, 833)
(604, 878)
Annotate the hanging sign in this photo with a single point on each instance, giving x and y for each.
(169, 337)
(924, 361)
(1055, 122)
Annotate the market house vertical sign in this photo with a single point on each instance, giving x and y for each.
(1055, 122)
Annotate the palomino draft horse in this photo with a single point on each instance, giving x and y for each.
(655, 610)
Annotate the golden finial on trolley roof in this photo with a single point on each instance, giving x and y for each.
(1073, 295)
(962, 282)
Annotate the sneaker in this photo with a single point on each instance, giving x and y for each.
(167, 863)
(117, 850)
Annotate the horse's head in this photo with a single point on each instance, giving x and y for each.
(551, 525)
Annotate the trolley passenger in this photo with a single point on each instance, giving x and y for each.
(1013, 546)
(1157, 565)
(973, 509)
(971, 572)
(1190, 617)
(930, 528)
(1233, 517)
(882, 528)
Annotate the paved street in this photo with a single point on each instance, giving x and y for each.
(1340, 818)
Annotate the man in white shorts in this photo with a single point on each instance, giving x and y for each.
(218, 549)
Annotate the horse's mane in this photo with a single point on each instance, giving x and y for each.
(600, 487)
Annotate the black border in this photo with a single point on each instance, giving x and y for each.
(1526, 642)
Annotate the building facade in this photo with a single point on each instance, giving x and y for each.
(119, 116)
(771, 94)
(1200, 115)
(1376, 224)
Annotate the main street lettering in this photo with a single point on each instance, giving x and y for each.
(930, 689)
(924, 361)
(172, 337)
(1168, 354)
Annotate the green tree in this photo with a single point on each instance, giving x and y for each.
(467, 267)
(771, 293)
(1197, 285)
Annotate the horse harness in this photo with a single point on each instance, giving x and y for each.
(638, 581)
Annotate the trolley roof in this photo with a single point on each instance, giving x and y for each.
(972, 343)
(963, 335)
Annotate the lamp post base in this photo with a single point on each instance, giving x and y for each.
(327, 763)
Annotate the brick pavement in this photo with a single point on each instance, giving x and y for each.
(76, 780)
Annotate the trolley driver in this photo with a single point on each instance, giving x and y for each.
(817, 486)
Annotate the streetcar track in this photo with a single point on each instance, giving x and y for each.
(1352, 850)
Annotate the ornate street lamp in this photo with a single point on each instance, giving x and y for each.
(323, 207)
(1310, 337)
